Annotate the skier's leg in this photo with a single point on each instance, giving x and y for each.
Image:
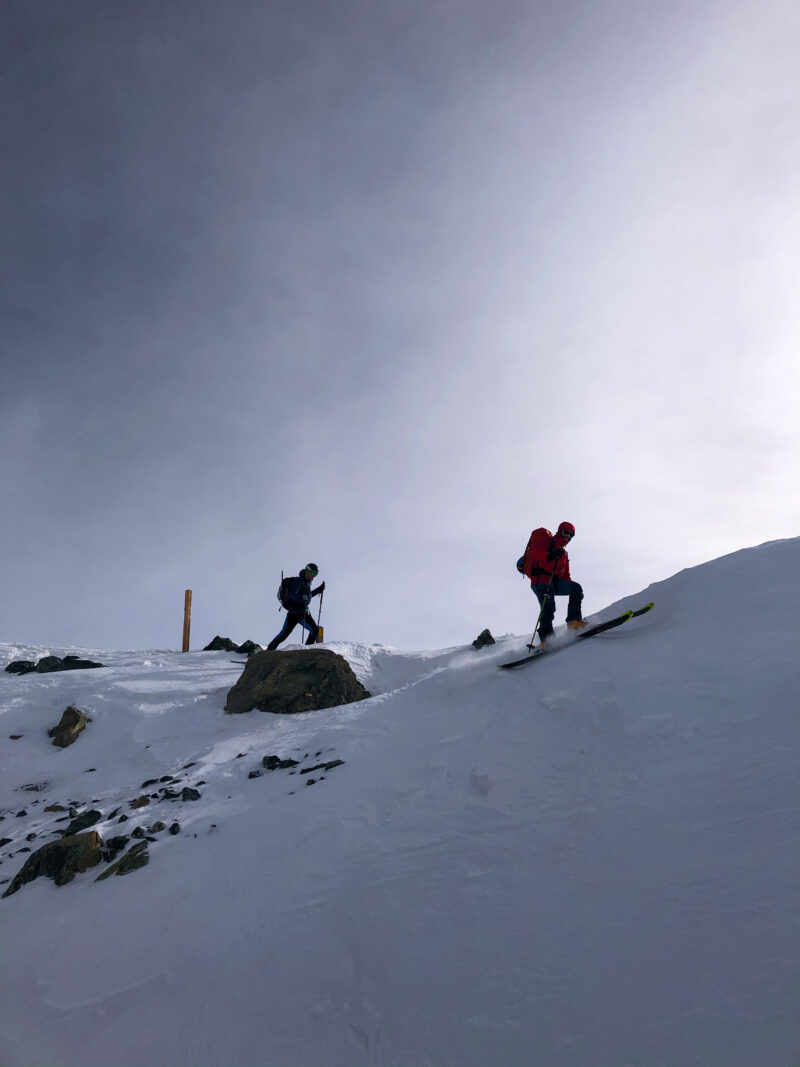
(575, 593)
(544, 595)
(308, 624)
(289, 624)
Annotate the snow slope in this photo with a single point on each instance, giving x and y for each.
(589, 861)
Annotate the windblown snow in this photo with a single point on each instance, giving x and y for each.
(588, 862)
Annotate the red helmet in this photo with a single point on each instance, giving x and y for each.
(567, 529)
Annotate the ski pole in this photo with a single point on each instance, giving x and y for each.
(319, 616)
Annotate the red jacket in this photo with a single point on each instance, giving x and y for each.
(536, 565)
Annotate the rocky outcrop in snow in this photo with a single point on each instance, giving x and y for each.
(60, 860)
(48, 664)
(287, 683)
(72, 723)
(225, 644)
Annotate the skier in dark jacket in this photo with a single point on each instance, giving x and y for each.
(296, 597)
(546, 563)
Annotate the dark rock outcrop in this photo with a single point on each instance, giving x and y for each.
(291, 682)
(221, 644)
(68, 663)
(133, 859)
(21, 666)
(225, 644)
(112, 848)
(483, 638)
(275, 763)
(60, 860)
(48, 664)
(83, 822)
(71, 724)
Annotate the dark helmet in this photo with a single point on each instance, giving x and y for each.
(313, 568)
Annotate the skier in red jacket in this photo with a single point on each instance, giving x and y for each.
(546, 563)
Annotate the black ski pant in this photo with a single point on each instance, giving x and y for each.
(292, 619)
(546, 595)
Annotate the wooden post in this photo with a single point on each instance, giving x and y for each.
(187, 619)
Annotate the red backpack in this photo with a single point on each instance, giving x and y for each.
(535, 554)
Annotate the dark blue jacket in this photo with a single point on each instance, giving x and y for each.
(299, 594)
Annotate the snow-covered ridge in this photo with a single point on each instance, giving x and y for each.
(590, 861)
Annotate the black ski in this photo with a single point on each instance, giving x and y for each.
(593, 631)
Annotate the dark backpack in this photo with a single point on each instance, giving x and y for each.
(283, 592)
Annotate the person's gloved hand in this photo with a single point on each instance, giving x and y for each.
(555, 553)
(322, 588)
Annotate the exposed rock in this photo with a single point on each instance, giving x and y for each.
(55, 807)
(33, 787)
(112, 848)
(21, 666)
(83, 822)
(224, 644)
(15, 737)
(291, 682)
(75, 663)
(48, 664)
(157, 827)
(139, 832)
(190, 794)
(484, 638)
(323, 766)
(60, 860)
(5, 841)
(140, 802)
(175, 828)
(221, 644)
(135, 858)
(275, 763)
(255, 774)
(71, 724)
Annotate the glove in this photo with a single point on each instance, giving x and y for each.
(555, 553)
(319, 589)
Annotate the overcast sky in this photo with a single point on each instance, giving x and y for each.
(385, 285)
